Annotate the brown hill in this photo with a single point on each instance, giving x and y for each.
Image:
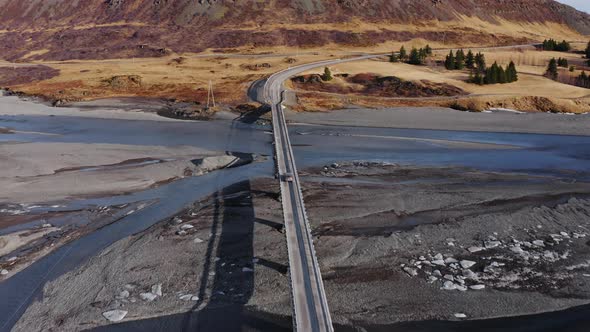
(85, 29)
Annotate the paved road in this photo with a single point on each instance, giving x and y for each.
(310, 307)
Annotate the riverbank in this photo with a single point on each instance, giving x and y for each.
(439, 118)
(230, 253)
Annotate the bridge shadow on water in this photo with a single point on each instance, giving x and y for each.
(224, 288)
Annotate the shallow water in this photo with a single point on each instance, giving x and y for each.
(539, 154)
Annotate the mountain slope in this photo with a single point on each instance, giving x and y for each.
(68, 29)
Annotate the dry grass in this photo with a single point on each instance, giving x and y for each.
(532, 92)
(531, 82)
(160, 77)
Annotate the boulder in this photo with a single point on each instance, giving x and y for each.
(467, 264)
(114, 315)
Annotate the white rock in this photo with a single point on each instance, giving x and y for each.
(477, 287)
(432, 279)
(467, 264)
(517, 249)
(449, 285)
(12, 259)
(461, 288)
(187, 226)
(450, 260)
(492, 244)
(157, 289)
(422, 258)
(460, 315)
(4, 272)
(449, 277)
(181, 233)
(539, 243)
(475, 249)
(177, 220)
(438, 257)
(437, 273)
(411, 272)
(148, 296)
(130, 286)
(247, 269)
(197, 240)
(469, 274)
(564, 234)
(47, 225)
(115, 315)
(439, 262)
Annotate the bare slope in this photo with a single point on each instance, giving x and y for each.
(121, 28)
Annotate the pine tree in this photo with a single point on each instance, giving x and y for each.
(588, 51)
(415, 58)
(460, 60)
(450, 61)
(428, 50)
(403, 54)
(494, 73)
(327, 74)
(512, 75)
(470, 60)
(480, 62)
(552, 72)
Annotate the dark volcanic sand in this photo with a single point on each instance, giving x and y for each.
(368, 219)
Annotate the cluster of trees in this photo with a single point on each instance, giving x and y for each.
(480, 73)
(583, 80)
(562, 62)
(460, 61)
(417, 56)
(496, 74)
(552, 45)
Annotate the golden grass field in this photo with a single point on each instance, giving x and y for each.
(231, 76)
(531, 92)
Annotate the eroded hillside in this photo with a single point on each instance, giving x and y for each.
(89, 29)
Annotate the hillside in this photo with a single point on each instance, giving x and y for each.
(90, 29)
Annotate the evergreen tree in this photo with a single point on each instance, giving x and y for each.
(512, 74)
(327, 74)
(552, 72)
(564, 46)
(460, 60)
(450, 61)
(470, 60)
(403, 54)
(428, 50)
(588, 51)
(480, 62)
(492, 74)
(415, 58)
